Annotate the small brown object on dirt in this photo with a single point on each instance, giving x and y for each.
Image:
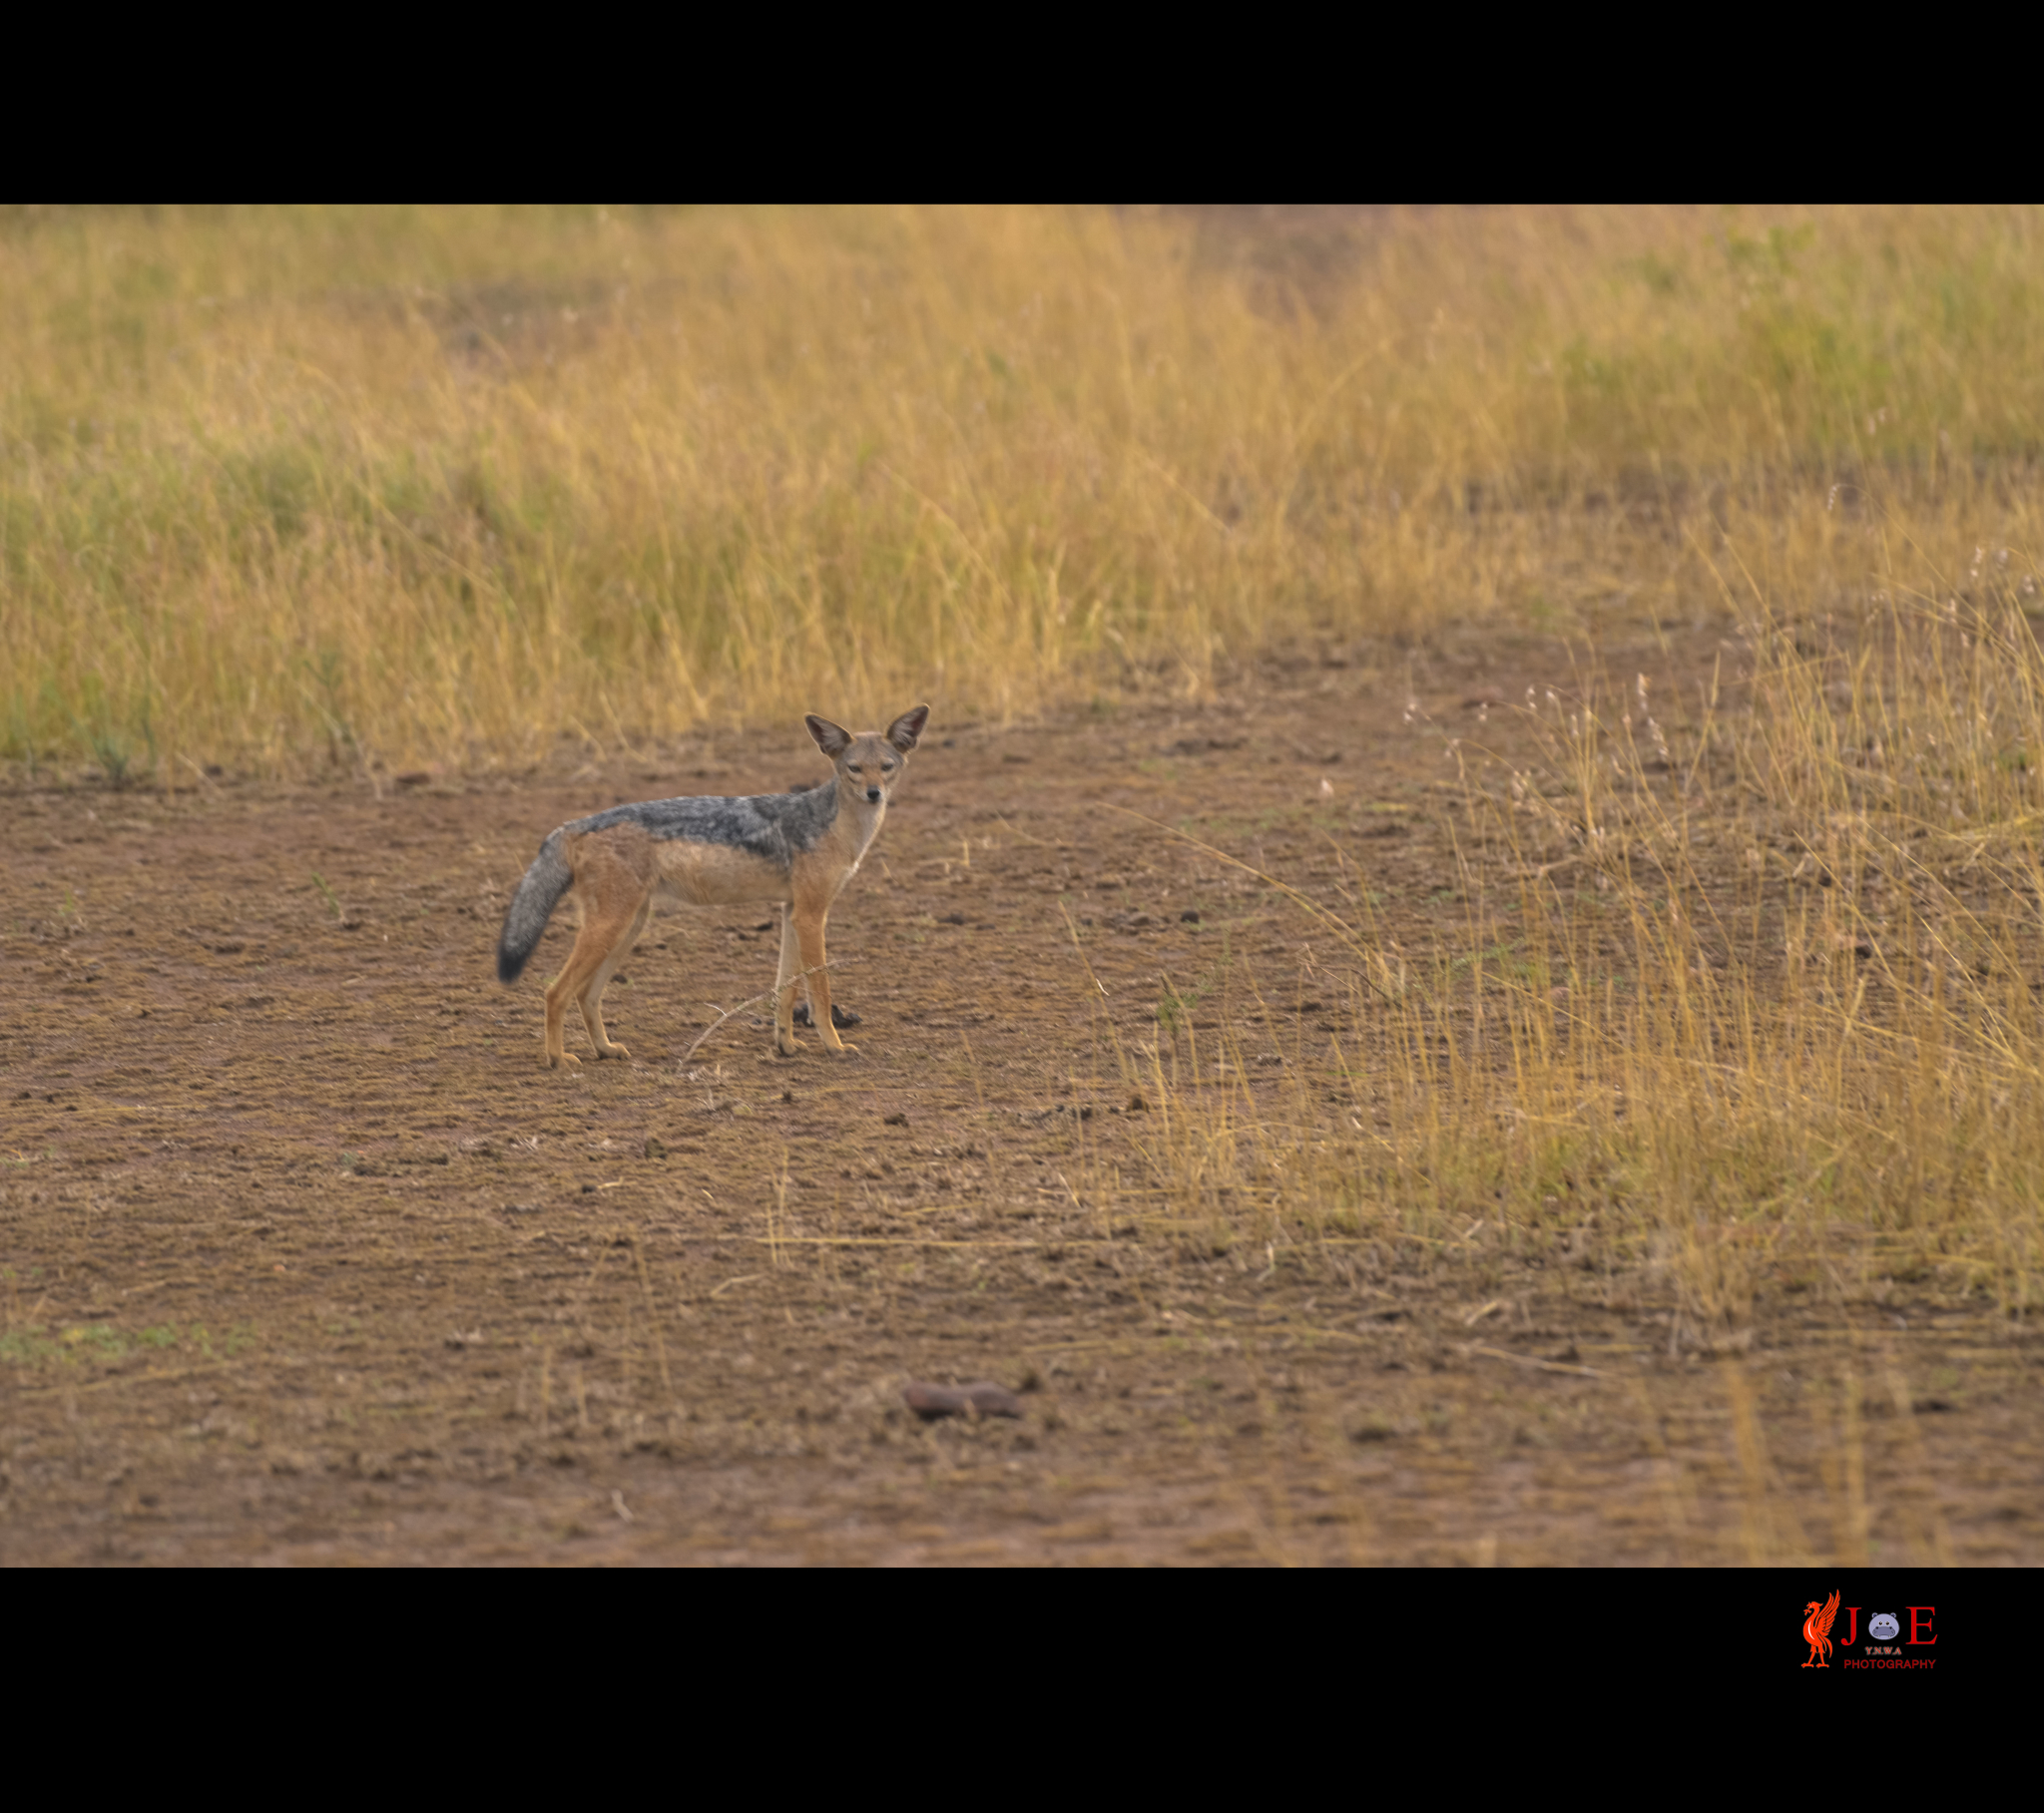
(895, 1120)
(1137, 1104)
(984, 1399)
(840, 1017)
(1484, 695)
(1188, 917)
(416, 778)
(653, 1148)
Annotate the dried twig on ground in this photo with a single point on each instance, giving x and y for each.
(800, 975)
(982, 1399)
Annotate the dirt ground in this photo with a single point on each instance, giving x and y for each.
(308, 1260)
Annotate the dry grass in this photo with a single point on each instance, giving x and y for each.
(1743, 1000)
(1745, 996)
(278, 487)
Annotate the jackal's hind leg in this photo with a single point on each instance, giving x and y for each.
(557, 1006)
(591, 1000)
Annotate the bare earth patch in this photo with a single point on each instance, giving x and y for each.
(307, 1258)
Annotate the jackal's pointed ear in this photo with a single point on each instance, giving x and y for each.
(833, 739)
(906, 730)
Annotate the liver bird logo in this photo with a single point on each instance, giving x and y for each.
(1816, 1631)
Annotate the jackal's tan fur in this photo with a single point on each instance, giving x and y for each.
(799, 850)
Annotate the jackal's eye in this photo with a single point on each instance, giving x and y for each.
(852, 767)
(886, 767)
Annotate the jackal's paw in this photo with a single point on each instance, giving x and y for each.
(787, 1046)
(614, 1050)
(842, 1050)
(567, 1057)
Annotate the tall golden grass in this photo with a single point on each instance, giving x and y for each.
(1749, 1005)
(292, 486)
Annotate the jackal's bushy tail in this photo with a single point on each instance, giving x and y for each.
(531, 907)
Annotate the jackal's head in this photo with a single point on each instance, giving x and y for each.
(869, 763)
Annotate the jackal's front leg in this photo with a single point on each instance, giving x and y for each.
(810, 931)
(784, 1040)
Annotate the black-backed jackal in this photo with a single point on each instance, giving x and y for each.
(797, 848)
